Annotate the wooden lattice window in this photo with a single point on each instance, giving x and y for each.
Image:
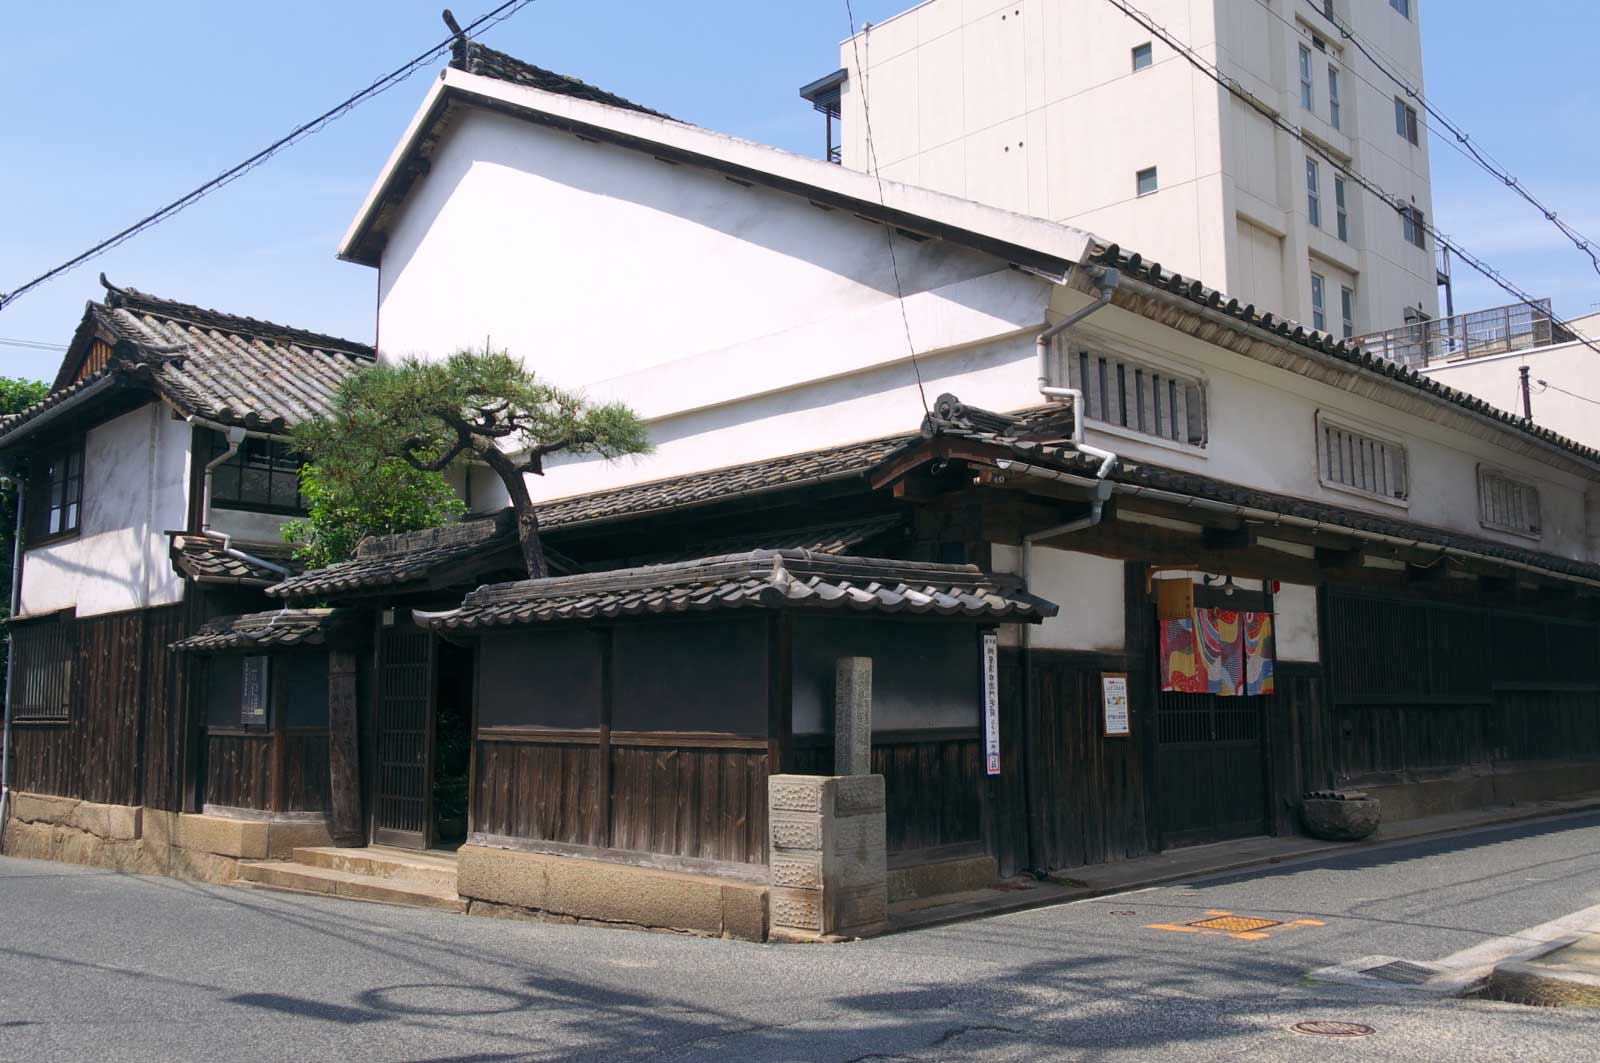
(1353, 460)
(1138, 396)
(44, 652)
(263, 475)
(1507, 504)
(55, 502)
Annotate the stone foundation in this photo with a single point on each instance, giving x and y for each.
(828, 856)
(511, 884)
(963, 875)
(148, 841)
(1467, 791)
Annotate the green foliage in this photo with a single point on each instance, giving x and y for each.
(430, 413)
(481, 405)
(388, 497)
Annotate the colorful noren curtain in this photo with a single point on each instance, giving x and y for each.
(1217, 651)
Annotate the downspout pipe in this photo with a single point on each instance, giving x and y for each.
(11, 662)
(235, 437)
(1109, 279)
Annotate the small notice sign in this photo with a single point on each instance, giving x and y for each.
(991, 703)
(253, 692)
(1114, 701)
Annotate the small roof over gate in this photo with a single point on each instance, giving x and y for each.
(766, 579)
(266, 631)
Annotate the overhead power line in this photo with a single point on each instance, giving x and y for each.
(1477, 155)
(1195, 60)
(32, 345)
(888, 230)
(232, 173)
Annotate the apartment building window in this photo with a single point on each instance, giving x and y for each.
(56, 486)
(1402, 6)
(1413, 226)
(1340, 211)
(1305, 78)
(1507, 504)
(263, 476)
(1405, 120)
(1145, 181)
(1347, 311)
(1142, 56)
(1333, 96)
(1313, 194)
(1126, 393)
(1319, 302)
(1353, 460)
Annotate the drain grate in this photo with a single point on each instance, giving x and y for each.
(1234, 924)
(1401, 972)
(1333, 1028)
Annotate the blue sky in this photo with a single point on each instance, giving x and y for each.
(116, 108)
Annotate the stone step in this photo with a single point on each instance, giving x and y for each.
(331, 882)
(427, 870)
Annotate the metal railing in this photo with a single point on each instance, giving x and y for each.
(1515, 327)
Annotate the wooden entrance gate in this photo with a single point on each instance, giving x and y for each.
(403, 737)
(1210, 768)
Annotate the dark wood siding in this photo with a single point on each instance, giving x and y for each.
(239, 770)
(121, 737)
(542, 789)
(706, 803)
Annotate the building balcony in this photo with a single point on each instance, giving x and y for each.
(1515, 327)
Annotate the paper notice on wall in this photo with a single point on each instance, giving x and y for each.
(991, 703)
(1114, 705)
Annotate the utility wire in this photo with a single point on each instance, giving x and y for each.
(337, 111)
(32, 345)
(888, 230)
(1465, 145)
(1200, 64)
(1543, 384)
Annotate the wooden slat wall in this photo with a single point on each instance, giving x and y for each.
(120, 737)
(239, 770)
(545, 791)
(933, 788)
(706, 803)
(305, 771)
(1093, 806)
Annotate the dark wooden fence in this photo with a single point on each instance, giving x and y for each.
(121, 741)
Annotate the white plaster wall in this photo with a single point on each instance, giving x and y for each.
(1294, 609)
(134, 489)
(1567, 405)
(1033, 106)
(1090, 591)
(1262, 421)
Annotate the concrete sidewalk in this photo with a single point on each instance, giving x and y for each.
(1201, 860)
(1565, 977)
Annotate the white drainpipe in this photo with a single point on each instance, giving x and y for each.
(11, 662)
(235, 437)
(1109, 279)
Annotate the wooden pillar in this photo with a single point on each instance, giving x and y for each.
(344, 759)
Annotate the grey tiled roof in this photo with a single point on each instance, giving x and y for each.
(1134, 265)
(836, 538)
(993, 429)
(767, 579)
(476, 58)
(388, 561)
(203, 561)
(715, 485)
(220, 367)
(392, 560)
(274, 630)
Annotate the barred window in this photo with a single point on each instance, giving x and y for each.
(1126, 393)
(1356, 461)
(1507, 504)
(44, 652)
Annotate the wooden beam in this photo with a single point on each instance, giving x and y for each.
(344, 761)
(1330, 558)
(1239, 538)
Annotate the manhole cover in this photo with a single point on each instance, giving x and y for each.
(1402, 972)
(1333, 1028)
(1234, 924)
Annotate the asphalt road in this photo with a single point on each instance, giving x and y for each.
(99, 966)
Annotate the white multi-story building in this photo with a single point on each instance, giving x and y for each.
(1069, 110)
